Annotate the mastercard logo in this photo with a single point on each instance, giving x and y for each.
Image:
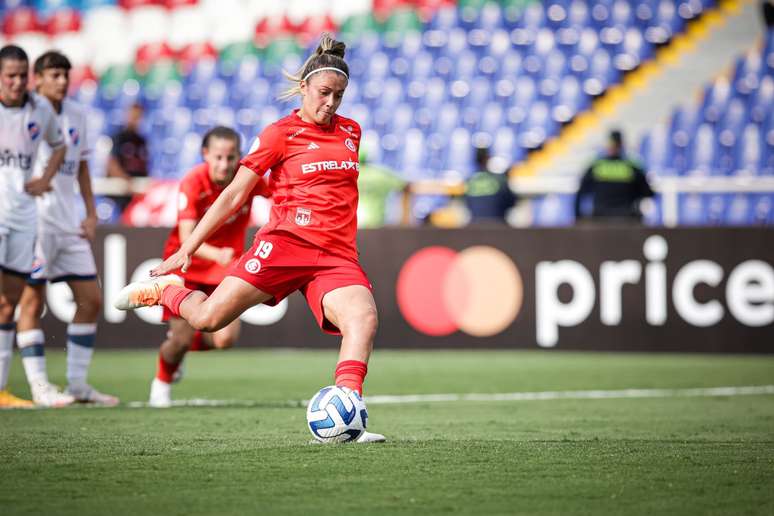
(477, 290)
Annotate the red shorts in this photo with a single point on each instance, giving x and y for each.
(280, 263)
(203, 287)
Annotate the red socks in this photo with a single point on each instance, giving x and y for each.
(198, 343)
(172, 296)
(351, 373)
(165, 370)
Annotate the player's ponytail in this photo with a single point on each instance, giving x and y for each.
(329, 55)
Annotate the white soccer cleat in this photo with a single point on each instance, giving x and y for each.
(160, 394)
(145, 293)
(370, 437)
(45, 394)
(87, 394)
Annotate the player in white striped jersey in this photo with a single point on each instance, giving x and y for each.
(25, 121)
(63, 250)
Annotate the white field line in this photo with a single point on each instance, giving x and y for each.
(506, 396)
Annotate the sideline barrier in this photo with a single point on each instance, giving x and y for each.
(627, 288)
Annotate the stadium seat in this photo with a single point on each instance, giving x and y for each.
(20, 20)
(692, 211)
(739, 211)
(553, 210)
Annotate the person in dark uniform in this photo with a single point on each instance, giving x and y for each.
(487, 195)
(615, 185)
(129, 156)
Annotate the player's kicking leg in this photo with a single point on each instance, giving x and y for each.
(81, 335)
(353, 311)
(30, 339)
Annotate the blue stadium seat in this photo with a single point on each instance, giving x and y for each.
(601, 73)
(762, 209)
(401, 118)
(522, 100)
(466, 66)
(739, 210)
(748, 151)
(460, 152)
(692, 210)
(412, 159)
(569, 101)
(422, 66)
(444, 19)
(505, 146)
(761, 100)
(715, 206)
(682, 128)
(492, 117)
(702, 158)
(554, 210)
(537, 127)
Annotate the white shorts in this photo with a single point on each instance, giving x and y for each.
(16, 251)
(63, 258)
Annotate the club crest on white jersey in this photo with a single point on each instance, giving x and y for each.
(58, 209)
(24, 131)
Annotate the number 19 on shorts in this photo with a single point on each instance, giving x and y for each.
(264, 249)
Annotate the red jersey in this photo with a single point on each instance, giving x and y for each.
(314, 172)
(197, 192)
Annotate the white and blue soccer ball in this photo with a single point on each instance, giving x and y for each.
(336, 415)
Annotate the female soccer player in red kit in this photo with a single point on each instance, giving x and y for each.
(209, 264)
(309, 242)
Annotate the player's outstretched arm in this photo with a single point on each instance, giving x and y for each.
(229, 201)
(221, 255)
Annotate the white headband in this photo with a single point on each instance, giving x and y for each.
(326, 68)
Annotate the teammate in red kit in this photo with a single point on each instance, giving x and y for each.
(309, 242)
(198, 191)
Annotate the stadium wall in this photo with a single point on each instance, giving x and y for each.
(622, 288)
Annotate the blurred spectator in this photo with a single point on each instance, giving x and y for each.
(614, 184)
(487, 194)
(767, 7)
(129, 155)
(376, 184)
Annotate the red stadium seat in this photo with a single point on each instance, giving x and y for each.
(131, 4)
(79, 75)
(271, 28)
(64, 20)
(172, 4)
(195, 52)
(152, 53)
(311, 28)
(23, 19)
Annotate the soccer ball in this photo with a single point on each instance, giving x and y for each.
(336, 415)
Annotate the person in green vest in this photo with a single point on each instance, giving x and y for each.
(487, 194)
(375, 184)
(615, 185)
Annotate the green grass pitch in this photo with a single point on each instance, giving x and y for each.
(676, 455)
